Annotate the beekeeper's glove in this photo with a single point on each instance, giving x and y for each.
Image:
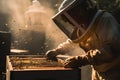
(51, 55)
(75, 62)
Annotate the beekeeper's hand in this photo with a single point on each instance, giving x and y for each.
(51, 55)
(75, 62)
(72, 62)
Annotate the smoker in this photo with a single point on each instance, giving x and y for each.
(34, 67)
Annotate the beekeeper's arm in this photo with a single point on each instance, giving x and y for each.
(64, 48)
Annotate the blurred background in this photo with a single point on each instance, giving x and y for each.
(31, 26)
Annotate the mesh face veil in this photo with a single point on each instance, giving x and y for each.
(67, 19)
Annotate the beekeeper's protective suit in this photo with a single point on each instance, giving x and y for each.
(96, 31)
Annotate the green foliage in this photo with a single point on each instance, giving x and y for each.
(109, 5)
(112, 6)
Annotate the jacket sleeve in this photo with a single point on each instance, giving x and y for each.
(69, 48)
(100, 56)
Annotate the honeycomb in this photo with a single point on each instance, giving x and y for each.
(32, 63)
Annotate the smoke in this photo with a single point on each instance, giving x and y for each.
(15, 9)
(54, 36)
(17, 23)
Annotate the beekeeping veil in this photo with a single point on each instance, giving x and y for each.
(67, 18)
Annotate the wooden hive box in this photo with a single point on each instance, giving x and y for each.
(37, 68)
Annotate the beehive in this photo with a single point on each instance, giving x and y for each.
(38, 68)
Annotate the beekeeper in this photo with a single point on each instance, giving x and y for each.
(95, 31)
